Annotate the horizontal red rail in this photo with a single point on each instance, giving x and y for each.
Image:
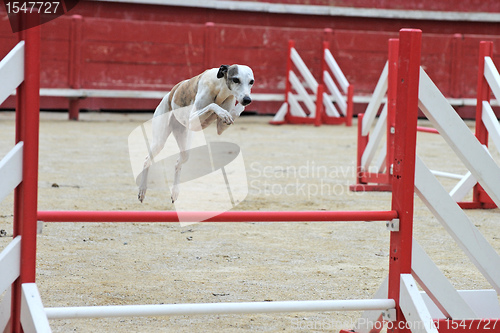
(230, 216)
(427, 130)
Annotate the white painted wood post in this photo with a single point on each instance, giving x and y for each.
(33, 316)
(412, 304)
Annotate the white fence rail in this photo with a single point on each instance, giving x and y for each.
(492, 76)
(11, 71)
(376, 100)
(304, 71)
(337, 72)
(11, 170)
(335, 94)
(10, 261)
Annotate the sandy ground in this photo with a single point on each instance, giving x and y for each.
(85, 165)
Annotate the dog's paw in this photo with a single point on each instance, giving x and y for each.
(175, 194)
(141, 195)
(226, 117)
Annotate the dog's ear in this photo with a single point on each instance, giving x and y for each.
(222, 71)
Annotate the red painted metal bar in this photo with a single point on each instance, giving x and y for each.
(392, 80)
(230, 216)
(319, 105)
(427, 130)
(74, 72)
(405, 138)
(350, 105)
(480, 198)
(325, 46)
(380, 181)
(362, 142)
(323, 117)
(26, 194)
(483, 91)
(288, 86)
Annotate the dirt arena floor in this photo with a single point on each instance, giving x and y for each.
(85, 165)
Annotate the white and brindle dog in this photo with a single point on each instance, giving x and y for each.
(194, 104)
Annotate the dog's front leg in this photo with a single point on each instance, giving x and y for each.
(201, 118)
(235, 113)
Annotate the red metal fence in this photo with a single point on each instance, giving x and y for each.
(116, 53)
(461, 6)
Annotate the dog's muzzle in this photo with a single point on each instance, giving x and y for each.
(246, 100)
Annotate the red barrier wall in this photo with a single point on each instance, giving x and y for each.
(132, 49)
(461, 6)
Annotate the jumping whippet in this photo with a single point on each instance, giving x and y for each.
(194, 104)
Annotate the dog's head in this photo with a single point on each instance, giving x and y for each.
(239, 79)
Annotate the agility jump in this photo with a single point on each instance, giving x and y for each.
(403, 303)
(486, 124)
(330, 103)
(374, 170)
(450, 214)
(19, 171)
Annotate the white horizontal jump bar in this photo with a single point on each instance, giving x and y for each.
(216, 308)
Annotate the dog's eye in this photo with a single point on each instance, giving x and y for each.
(251, 82)
(236, 80)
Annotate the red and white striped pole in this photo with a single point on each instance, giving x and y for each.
(479, 197)
(26, 194)
(288, 85)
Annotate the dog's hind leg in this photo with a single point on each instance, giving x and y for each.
(156, 148)
(182, 136)
(161, 130)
